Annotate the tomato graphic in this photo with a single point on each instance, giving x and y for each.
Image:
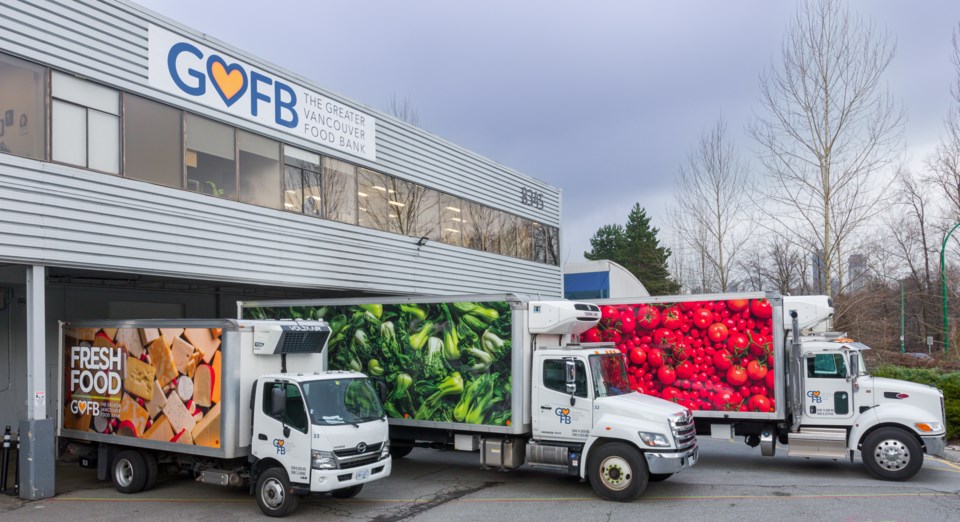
(671, 394)
(671, 318)
(628, 323)
(759, 345)
(756, 370)
(667, 374)
(722, 360)
(737, 343)
(761, 308)
(702, 317)
(770, 380)
(590, 336)
(738, 305)
(655, 357)
(638, 356)
(759, 403)
(737, 376)
(686, 370)
(724, 400)
(664, 336)
(648, 317)
(718, 332)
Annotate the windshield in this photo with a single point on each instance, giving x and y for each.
(609, 375)
(342, 401)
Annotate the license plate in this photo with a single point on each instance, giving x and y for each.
(362, 474)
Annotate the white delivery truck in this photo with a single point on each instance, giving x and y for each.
(768, 368)
(499, 374)
(214, 398)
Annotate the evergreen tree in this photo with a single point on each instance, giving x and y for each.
(636, 247)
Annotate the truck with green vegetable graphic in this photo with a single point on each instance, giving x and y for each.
(505, 376)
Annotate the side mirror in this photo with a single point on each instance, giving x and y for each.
(278, 402)
(382, 388)
(854, 367)
(570, 375)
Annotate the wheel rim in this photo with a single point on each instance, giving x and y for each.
(892, 455)
(272, 493)
(616, 473)
(123, 472)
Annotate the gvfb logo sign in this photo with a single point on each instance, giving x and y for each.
(190, 70)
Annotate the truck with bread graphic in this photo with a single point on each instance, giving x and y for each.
(214, 398)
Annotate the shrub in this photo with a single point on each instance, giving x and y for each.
(948, 382)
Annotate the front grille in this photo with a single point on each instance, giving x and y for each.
(345, 476)
(361, 461)
(684, 431)
(350, 452)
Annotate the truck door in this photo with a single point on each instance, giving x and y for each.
(285, 438)
(554, 417)
(827, 392)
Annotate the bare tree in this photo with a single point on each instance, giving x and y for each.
(403, 109)
(829, 130)
(712, 206)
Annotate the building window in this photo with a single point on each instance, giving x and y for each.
(22, 115)
(553, 245)
(539, 243)
(211, 167)
(428, 213)
(508, 234)
(525, 239)
(85, 124)
(301, 182)
(152, 142)
(451, 220)
(340, 191)
(259, 170)
(472, 225)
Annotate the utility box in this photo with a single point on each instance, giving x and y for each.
(503, 453)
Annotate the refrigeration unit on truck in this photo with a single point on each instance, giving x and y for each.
(767, 367)
(214, 398)
(498, 374)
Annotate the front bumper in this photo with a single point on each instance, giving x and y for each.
(936, 445)
(667, 463)
(324, 480)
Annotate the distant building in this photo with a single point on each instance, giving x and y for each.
(600, 280)
(857, 272)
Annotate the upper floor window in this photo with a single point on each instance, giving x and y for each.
(301, 182)
(340, 191)
(22, 116)
(260, 181)
(85, 124)
(210, 158)
(152, 142)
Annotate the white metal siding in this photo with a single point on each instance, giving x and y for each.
(62, 216)
(106, 41)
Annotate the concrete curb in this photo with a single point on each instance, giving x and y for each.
(952, 454)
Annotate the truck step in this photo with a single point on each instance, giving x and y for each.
(830, 443)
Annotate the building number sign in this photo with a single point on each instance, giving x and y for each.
(531, 198)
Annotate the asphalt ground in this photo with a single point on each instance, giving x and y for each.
(731, 482)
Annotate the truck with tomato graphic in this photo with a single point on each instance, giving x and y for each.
(768, 368)
(503, 375)
(214, 399)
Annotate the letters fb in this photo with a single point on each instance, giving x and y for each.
(191, 70)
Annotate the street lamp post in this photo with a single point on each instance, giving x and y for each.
(943, 288)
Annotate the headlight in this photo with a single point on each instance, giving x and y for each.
(385, 452)
(322, 460)
(929, 427)
(657, 440)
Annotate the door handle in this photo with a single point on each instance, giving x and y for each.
(262, 436)
(544, 407)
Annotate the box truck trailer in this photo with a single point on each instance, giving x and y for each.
(767, 367)
(498, 374)
(214, 398)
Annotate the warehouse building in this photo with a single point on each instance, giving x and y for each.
(149, 171)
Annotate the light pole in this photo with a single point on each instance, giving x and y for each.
(943, 288)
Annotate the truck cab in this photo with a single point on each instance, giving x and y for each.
(317, 432)
(839, 408)
(587, 419)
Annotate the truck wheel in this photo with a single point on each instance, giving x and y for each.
(400, 448)
(660, 477)
(618, 472)
(129, 472)
(153, 470)
(350, 492)
(892, 454)
(273, 493)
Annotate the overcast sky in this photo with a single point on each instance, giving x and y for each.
(602, 99)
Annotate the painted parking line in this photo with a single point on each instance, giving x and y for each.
(536, 499)
(942, 461)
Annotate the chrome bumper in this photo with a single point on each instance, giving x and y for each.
(666, 463)
(936, 445)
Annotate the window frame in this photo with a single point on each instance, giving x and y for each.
(267, 389)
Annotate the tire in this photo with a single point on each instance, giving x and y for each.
(660, 477)
(400, 448)
(128, 472)
(273, 493)
(350, 492)
(892, 454)
(153, 470)
(618, 472)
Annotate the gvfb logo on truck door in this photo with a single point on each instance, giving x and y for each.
(564, 414)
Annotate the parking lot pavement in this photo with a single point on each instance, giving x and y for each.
(731, 482)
